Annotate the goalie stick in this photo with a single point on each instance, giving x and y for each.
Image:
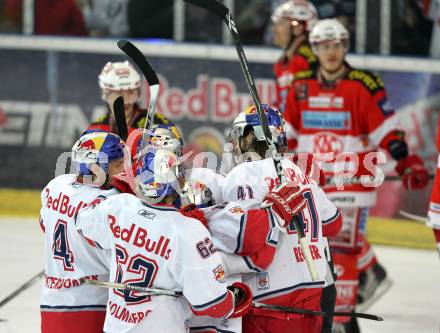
(121, 122)
(150, 75)
(166, 292)
(224, 13)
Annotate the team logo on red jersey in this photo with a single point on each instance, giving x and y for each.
(301, 92)
(326, 142)
(236, 210)
(219, 273)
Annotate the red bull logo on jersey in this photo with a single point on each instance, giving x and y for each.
(61, 204)
(219, 274)
(138, 237)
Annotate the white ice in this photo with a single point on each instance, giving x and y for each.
(411, 306)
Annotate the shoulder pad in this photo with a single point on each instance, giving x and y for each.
(303, 75)
(371, 81)
(306, 52)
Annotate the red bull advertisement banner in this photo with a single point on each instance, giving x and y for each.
(48, 98)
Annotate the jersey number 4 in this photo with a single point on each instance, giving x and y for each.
(145, 270)
(60, 246)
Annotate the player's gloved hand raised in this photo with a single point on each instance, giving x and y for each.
(310, 167)
(286, 201)
(413, 172)
(242, 298)
(195, 213)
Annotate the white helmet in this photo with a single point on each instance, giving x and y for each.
(119, 76)
(326, 30)
(299, 10)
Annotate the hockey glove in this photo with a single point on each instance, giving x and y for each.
(310, 167)
(286, 201)
(195, 213)
(242, 299)
(413, 172)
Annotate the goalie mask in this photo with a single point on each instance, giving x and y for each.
(158, 174)
(247, 133)
(99, 148)
(167, 137)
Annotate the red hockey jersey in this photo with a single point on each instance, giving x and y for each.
(284, 69)
(352, 115)
(434, 204)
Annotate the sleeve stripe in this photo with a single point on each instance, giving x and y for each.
(333, 218)
(209, 304)
(270, 237)
(251, 265)
(240, 236)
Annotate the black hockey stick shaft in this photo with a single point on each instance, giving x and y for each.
(22, 288)
(121, 122)
(175, 293)
(150, 75)
(316, 313)
(224, 13)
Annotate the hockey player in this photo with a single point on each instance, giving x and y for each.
(291, 24)
(152, 244)
(65, 305)
(434, 204)
(121, 79)
(333, 109)
(286, 280)
(165, 136)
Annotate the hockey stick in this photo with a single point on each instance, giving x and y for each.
(121, 122)
(224, 13)
(150, 75)
(131, 287)
(316, 313)
(413, 217)
(22, 288)
(165, 292)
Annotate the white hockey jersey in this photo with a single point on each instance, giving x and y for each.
(156, 246)
(286, 281)
(68, 255)
(213, 180)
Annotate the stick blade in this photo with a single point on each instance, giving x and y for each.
(211, 5)
(121, 122)
(140, 60)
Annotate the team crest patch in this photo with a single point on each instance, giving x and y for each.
(236, 210)
(219, 273)
(262, 281)
(301, 92)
